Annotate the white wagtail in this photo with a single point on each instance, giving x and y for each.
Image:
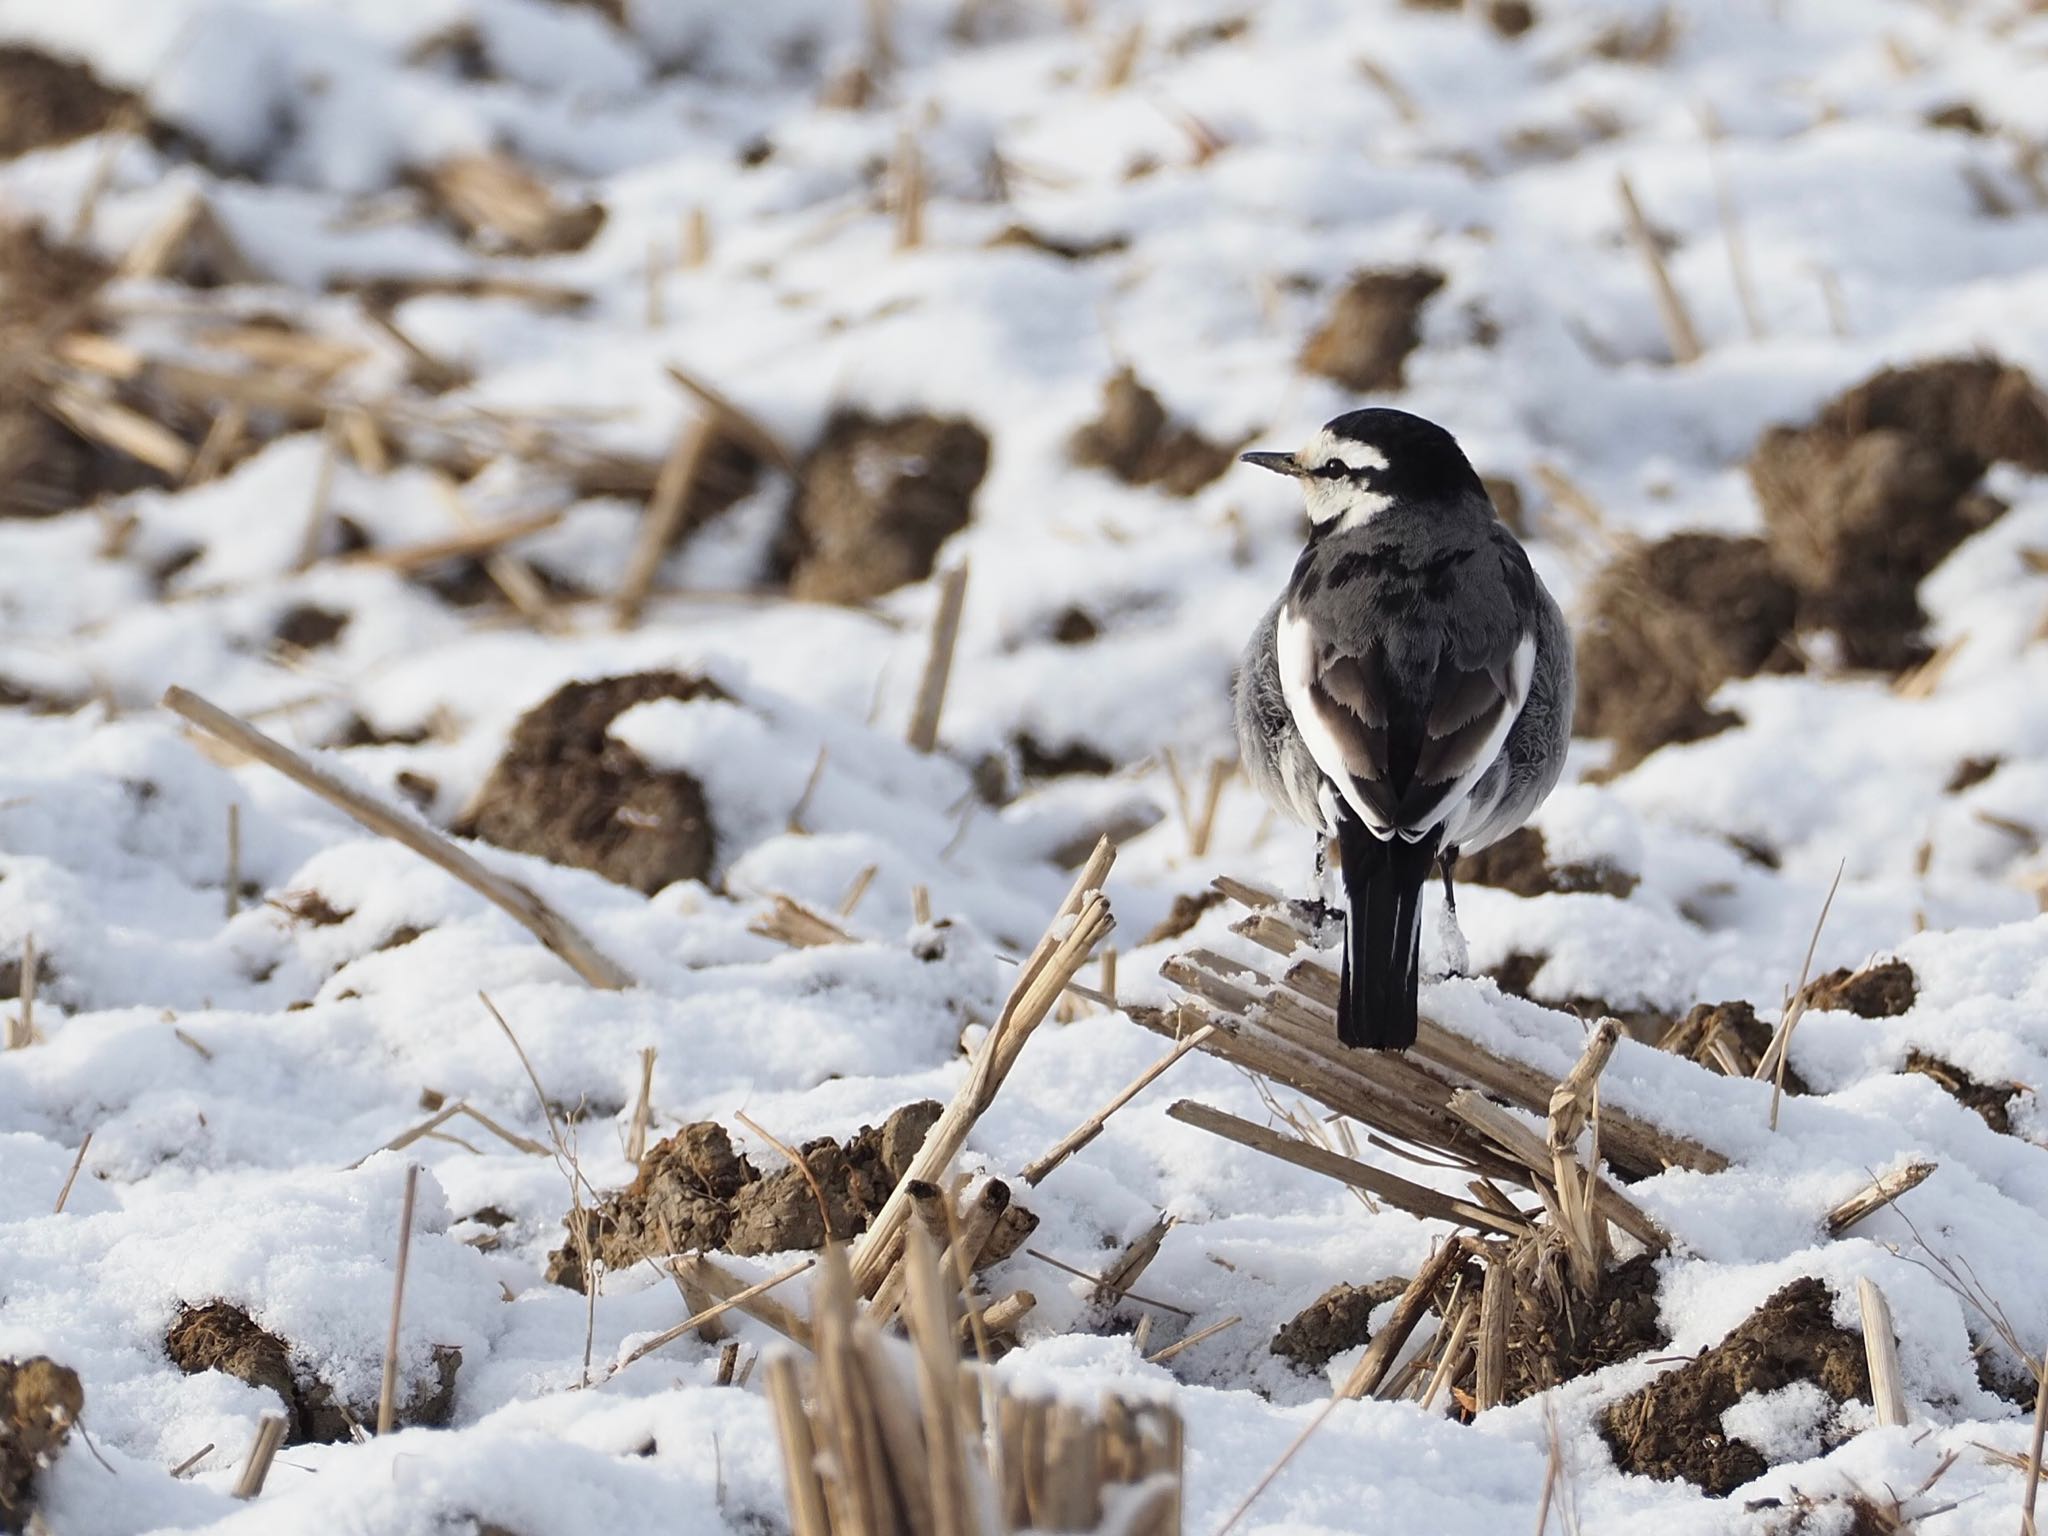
(1410, 694)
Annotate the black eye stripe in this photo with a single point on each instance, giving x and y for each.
(1333, 469)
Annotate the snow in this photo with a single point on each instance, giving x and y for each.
(237, 1073)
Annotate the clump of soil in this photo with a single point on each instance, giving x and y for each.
(695, 1193)
(1971, 772)
(1337, 1320)
(45, 101)
(567, 791)
(1993, 1101)
(1521, 863)
(308, 626)
(45, 466)
(1185, 912)
(221, 1337)
(1736, 1026)
(1555, 1336)
(1870, 497)
(1671, 1428)
(1881, 991)
(1670, 622)
(1510, 18)
(1374, 326)
(1074, 626)
(1035, 760)
(39, 1402)
(1134, 441)
(876, 500)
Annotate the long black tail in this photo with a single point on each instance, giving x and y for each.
(1383, 883)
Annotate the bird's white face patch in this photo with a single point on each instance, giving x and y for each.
(1340, 499)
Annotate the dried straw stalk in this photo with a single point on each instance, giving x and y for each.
(523, 905)
(1082, 922)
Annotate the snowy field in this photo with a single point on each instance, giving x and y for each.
(979, 211)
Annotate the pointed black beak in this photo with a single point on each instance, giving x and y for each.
(1279, 463)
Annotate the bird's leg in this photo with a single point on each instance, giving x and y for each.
(1324, 922)
(1456, 957)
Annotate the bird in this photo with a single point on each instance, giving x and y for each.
(1409, 695)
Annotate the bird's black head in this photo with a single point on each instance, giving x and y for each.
(1366, 461)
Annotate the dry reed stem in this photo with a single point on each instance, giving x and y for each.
(1920, 682)
(643, 1110)
(1181, 1346)
(1406, 108)
(850, 902)
(1573, 1105)
(1371, 1370)
(795, 823)
(479, 540)
(1533, 1152)
(664, 517)
(511, 575)
(1731, 229)
(21, 1029)
(1490, 1363)
(907, 192)
(790, 922)
(184, 1468)
(387, 1395)
(1034, 1172)
(1082, 922)
(223, 436)
(524, 906)
(1875, 1196)
(740, 425)
(71, 1178)
(1671, 311)
(1122, 60)
(234, 871)
(712, 1313)
(807, 1511)
(696, 247)
(441, 1117)
(314, 532)
(698, 1270)
(728, 1360)
(1133, 1261)
(1773, 1061)
(127, 431)
(1416, 1199)
(1096, 1280)
(1881, 1352)
(938, 667)
(269, 1436)
(2034, 1446)
(999, 1316)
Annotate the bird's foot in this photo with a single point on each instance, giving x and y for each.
(1323, 923)
(1457, 958)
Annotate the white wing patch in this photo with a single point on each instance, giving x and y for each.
(1295, 643)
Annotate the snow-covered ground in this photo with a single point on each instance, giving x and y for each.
(1245, 159)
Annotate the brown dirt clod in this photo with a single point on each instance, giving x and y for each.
(309, 626)
(1134, 440)
(1520, 863)
(1868, 498)
(1880, 991)
(1185, 912)
(695, 1193)
(1735, 1023)
(39, 1402)
(1372, 329)
(1993, 1101)
(1337, 1320)
(1036, 760)
(45, 101)
(1555, 1337)
(1670, 622)
(1671, 1428)
(221, 1337)
(876, 500)
(1971, 772)
(565, 790)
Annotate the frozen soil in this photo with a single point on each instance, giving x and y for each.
(343, 353)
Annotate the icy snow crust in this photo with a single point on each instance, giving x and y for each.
(217, 1166)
